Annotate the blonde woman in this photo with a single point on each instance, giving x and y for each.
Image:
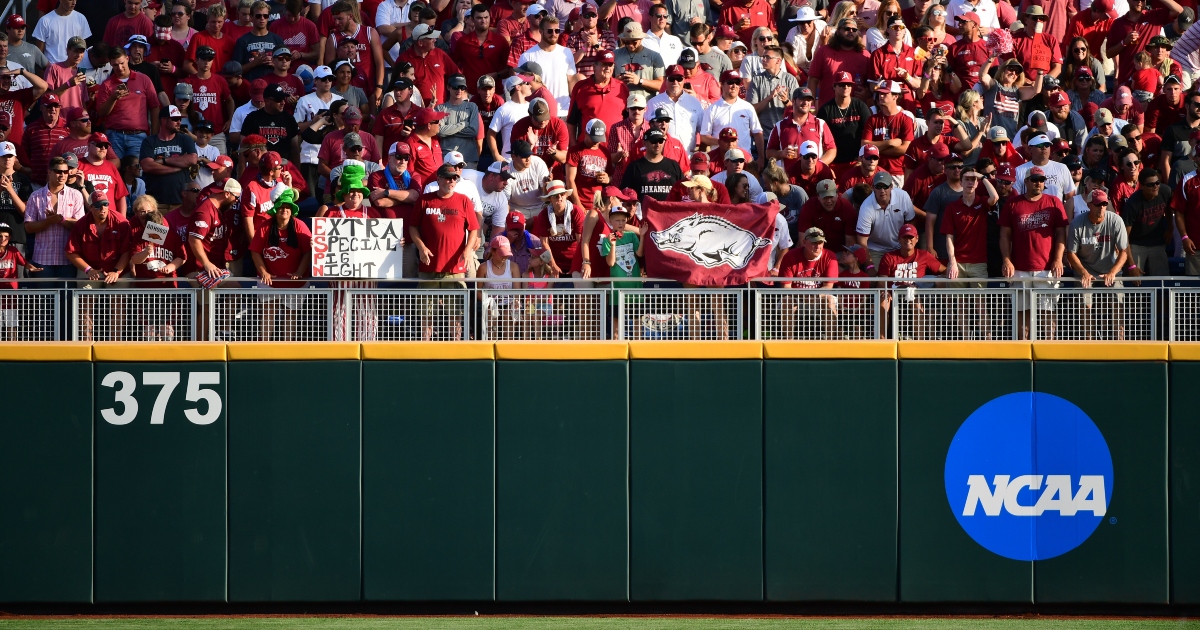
(845, 10)
(877, 35)
(759, 41)
(1002, 96)
(969, 127)
(935, 18)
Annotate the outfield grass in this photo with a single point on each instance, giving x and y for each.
(588, 623)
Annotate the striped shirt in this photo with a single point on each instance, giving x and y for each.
(1187, 50)
(50, 245)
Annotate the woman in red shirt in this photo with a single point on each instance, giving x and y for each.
(281, 249)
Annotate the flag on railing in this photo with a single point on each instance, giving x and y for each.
(709, 244)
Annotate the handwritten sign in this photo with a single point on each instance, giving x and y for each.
(357, 248)
(155, 233)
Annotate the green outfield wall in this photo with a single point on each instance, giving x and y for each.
(564, 472)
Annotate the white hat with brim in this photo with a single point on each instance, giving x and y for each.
(556, 188)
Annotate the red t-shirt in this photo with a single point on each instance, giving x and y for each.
(208, 98)
(854, 177)
(431, 72)
(1161, 114)
(1186, 201)
(105, 178)
(1033, 224)
(1145, 80)
(563, 245)
(443, 224)
(389, 123)
(476, 58)
(160, 255)
(599, 269)
(223, 46)
(809, 182)
(1147, 26)
(915, 265)
(1037, 52)
(967, 59)
(100, 247)
(10, 260)
(130, 113)
(282, 260)
(588, 163)
(920, 183)
(255, 197)
(212, 226)
(379, 181)
(885, 62)
(551, 138)
(172, 51)
(968, 224)
(884, 127)
(786, 133)
(121, 27)
(837, 223)
(300, 36)
(760, 13)
(333, 154)
(591, 101)
(796, 265)
(828, 61)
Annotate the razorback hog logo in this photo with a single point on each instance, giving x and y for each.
(274, 253)
(710, 241)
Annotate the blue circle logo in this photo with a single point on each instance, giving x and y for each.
(1029, 476)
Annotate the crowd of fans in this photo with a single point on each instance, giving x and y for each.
(972, 139)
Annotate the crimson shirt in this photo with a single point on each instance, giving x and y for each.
(915, 265)
(968, 224)
(431, 72)
(967, 59)
(223, 46)
(425, 160)
(564, 245)
(551, 138)
(884, 127)
(105, 178)
(100, 247)
(837, 223)
(213, 227)
(809, 182)
(282, 260)
(476, 58)
(920, 183)
(1033, 224)
(885, 61)
(160, 255)
(1147, 26)
(443, 225)
(828, 61)
(795, 265)
(588, 163)
(1036, 52)
(788, 132)
(589, 101)
(38, 140)
(10, 260)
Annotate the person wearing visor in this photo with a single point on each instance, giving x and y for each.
(1059, 181)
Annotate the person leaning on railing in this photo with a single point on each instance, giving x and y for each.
(99, 246)
(10, 260)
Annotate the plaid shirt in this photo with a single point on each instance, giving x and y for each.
(624, 136)
(50, 245)
(608, 41)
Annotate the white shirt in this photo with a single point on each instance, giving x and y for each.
(239, 116)
(503, 120)
(97, 75)
(756, 188)
(782, 239)
(1057, 174)
(685, 116)
(524, 190)
(882, 225)
(391, 13)
(740, 115)
(667, 46)
(19, 82)
(204, 175)
(464, 187)
(54, 30)
(557, 65)
(800, 45)
(985, 9)
(751, 65)
(495, 209)
(306, 109)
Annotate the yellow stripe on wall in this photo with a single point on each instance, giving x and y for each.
(695, 350)
(562, 351)
(151, 352)
(1100, 351)
(829, 350)
(428, 351)
(957, 350)
(298, 351)
(46, 351)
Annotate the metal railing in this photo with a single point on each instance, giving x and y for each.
(934, 309)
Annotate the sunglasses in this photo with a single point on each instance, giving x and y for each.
(990, 174)
(1100, 204)
(1131, 164)
(870, 157)
(738, 161)
(849, 30)
(452, 178)
(661, 16)
(592, 15)
(697, 43)
(765, 39)
(58, 172)
(808, 157)
(675, 79)
(882, 186)
(1079, 49)
(657, 142)
(100, 206)
(733, 82)
(179, 14)
(191, 190)
(552, 31)
(263, 16)
(401, 157)
(954, 167)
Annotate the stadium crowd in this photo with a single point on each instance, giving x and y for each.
(972, 139)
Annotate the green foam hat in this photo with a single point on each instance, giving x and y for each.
(354, 173)
(288, 198)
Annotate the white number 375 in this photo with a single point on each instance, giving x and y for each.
(125, 384)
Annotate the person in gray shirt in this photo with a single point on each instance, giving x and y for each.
(20, 50)
(684, 14)
(1097, 242)
(772, 89)
(710, 57)
(640, 68)
(460, 129)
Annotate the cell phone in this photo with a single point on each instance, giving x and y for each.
(687, 85)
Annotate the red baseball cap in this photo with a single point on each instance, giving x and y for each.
(606, 57)
(257, 87)
(1058, 99)
(868, 149)
(843, 77)
(675, 70)
(426, 116)
(1036, 172)
(1005, 174)
(1097, 196)
(98, 196)
(14, 21)
(1060, 144)
(48, 99)
(75, 113)
(98, 138)
(939, 151)
(860, 253)
(700, 162)
(221, 162)
(908, 229)
(253, 140)
(515, 220)
(270, 160)
(731, 75)
(967, 17)
(728, 133)
(725, 32)
(624, 194)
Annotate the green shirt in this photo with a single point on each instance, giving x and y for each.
(627, 264)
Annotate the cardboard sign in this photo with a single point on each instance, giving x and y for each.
(357, 248)
(155, 233)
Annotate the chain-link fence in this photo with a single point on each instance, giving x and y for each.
(812, 314)
(407, 315)
(30, 315)
(674, 314)
(939, 314)
(104, 314)
(559, 315)
(270, 314)
(1093, 314)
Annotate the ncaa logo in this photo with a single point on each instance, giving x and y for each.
(1029, 476)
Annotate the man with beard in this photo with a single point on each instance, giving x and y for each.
(273, 123)
(846, 118)
(844, 53)
(652, 175)
(968, 55)
(597, 96)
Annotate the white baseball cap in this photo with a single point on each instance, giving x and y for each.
(454, 158)
(321, 72)
(232, 186)
(8, 149)
(735, 154)
(809, 148)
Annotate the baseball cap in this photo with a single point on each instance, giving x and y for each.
(457, 81)
(1097, 196)
(1102, 117)
(14, 21)
(77, 43)
(607, 57)
(399, 148)
(220, 162)
(1058, 99)
(539, 110)
(426, 116)
(860, 254)
(8, 149)
(654, 135)
(843, 77)
(515, 219)
(535, 9)
(352, 140)
(596, 130)
(1084, 72)
(1040, 140)
(98, 138)
(251, 141)
(868, 150)
(351, 114)
(514, 81)
(728, 133)
(1117, 141)
(99, 198)
(636, 100)
(700, 161)
(48, 99)
(521, 149)
(206, 52)
(687, 58)
(1060, 144)
(1073, 162)
(998, 134)
(815, 234)
(233, 68)
(170, 112)
(939, 151)
(802, 93)
(809, 147)
(72, 159)
(1124, 96)
(908, 230)
(282, 51)
(502, 169)
(725, 31)
(735, 154)
(256, 88)
(675, 71)
(232, 186)
(425, 31)
(485, 81)
(76, 113)
(737, 43)
(826, 188)
(883, 177)
(731, 76)
(1035, 174)
(967, 17)
(271, 159)
(275, 92)
(662, 113)
(183, 91)
(892, 87)
(1005, 173)
(454, 158)
(322, 72)
(531, 68)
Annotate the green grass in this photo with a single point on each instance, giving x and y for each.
(589, 623)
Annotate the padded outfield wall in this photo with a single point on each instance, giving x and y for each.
(608, 472)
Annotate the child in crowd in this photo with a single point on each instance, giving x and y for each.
(10, 261)
(1146, 79)
(205, 153)
(131, 174)
(621, 251)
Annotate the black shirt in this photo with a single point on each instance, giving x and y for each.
(8, 210)
(151, 71)
(167, 189)
(1177, 140)
(847, 126)
(1149, 219)
(651, 179)
(278, 129)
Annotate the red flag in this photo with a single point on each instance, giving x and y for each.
(708, 244)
